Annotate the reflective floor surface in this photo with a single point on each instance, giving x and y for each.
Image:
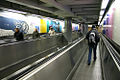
(89, 72)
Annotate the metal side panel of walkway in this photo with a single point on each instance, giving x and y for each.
(89, 72)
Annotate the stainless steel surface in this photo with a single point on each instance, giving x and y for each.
(16, 55)
(60, 67)
(57, 70)
(75, 35)
(68, 29)
(109, 62)
(13, 53)
(86, 72)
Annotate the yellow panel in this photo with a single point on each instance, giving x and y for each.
(89, 28)
(43, 26)
(99, 29)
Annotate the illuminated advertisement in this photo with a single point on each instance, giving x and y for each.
(56, 26)
(28, 23)
(11, 24)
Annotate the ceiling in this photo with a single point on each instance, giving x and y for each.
(86, 11)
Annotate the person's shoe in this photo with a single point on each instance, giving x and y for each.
(95, 59)
(88, 63)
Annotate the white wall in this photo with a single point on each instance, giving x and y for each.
(31, 20)
(116, 22)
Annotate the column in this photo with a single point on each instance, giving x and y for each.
(68, 29)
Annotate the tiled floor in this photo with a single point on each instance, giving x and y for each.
(91, 72)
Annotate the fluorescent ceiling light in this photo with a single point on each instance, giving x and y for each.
(89, 25)
(100, 17)
(104, 4)
(99, 20)
(102, 12)
(98, 23)
(103, 7)
(104, 19)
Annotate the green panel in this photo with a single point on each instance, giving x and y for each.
(47, 26)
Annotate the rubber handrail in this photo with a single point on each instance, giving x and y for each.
(114, 54)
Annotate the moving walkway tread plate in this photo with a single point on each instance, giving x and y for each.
(89, 72)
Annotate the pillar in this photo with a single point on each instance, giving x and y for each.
(68, 29)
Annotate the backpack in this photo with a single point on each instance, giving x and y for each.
(92, 38)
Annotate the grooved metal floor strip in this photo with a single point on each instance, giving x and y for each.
(89, 72)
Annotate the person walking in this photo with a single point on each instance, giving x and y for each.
(93, 39)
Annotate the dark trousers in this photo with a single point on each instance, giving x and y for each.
(90, 53)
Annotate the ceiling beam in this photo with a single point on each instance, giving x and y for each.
(9, 6)
(31, 5)
(85, 6)
(85, 10)
(78, 2)
(59, 6)
(86, 14)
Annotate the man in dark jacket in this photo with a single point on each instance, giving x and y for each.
(36, 34)
(18, 35)
(92, 42)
